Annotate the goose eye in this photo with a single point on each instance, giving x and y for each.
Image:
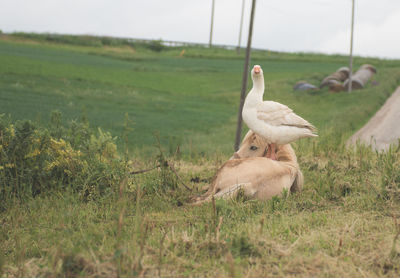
(253, 148)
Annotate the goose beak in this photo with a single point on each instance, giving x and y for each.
(257, 69)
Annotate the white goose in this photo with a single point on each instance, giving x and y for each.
(271, 120)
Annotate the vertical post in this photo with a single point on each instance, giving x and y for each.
(245, 76)
(240, 28)
(212, 23)
(351, 48)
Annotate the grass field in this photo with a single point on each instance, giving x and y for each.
(188, 101)
(345, 223)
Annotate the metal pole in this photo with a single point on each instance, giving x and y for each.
(244, 78)
(212, 23)
(240, 29)
(351, 48)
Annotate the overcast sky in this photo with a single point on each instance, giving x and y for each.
(283, 25)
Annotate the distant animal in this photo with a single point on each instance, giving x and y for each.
(273, 121)
(254, 174)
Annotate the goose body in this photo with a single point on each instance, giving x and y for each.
(273, 121)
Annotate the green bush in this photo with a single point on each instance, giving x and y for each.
(34, 159)
(155, 46)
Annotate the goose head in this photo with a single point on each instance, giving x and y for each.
(256, 72)
(257, 76)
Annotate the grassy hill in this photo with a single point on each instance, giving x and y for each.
(345, 223)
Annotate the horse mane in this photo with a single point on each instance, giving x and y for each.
(286, 153)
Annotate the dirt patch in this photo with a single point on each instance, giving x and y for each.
(383, 129)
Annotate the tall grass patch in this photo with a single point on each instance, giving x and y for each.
(35, 159)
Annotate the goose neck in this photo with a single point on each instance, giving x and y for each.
(258, 85)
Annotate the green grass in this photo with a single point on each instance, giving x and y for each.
(345, 223)
(342, 224)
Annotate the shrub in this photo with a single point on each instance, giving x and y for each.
(155, 45)
(34, 159)
(110, 41)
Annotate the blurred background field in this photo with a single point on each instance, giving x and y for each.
(189, 99)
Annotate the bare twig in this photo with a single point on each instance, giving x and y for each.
(143, 171)
(171, 166)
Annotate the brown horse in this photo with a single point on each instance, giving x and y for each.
(257, 176)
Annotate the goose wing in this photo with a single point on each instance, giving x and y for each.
(277, 114)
